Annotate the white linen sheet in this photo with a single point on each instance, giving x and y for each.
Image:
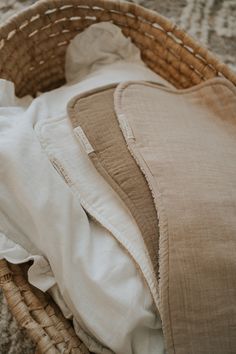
(111, 303)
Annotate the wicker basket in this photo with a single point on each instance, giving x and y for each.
(32, 55)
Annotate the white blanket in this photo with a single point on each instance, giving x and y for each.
(111, 302)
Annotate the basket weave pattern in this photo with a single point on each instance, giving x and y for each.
(38, 314)
(32, 55)
(33, 43)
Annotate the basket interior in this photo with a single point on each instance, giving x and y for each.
(33, 43)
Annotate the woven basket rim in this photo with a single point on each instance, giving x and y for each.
(193, 46)
(51, 4)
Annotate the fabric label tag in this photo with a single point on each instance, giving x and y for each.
(126, 127)
(79, 133)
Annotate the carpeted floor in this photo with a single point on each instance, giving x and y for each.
(213, 22)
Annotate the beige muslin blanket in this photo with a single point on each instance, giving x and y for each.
(185, 142)
(93, 112)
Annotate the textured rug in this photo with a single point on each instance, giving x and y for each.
(212, 22)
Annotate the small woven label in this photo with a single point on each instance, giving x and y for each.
(125, 125)
(79, 133)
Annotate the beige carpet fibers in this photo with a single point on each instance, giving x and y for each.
(213, 22)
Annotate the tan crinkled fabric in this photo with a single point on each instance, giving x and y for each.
(93, 118)
(185, 141)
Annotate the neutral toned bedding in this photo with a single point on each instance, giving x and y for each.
(42, 219)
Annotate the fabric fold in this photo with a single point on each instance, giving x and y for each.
(96, 126)
(117, 284)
